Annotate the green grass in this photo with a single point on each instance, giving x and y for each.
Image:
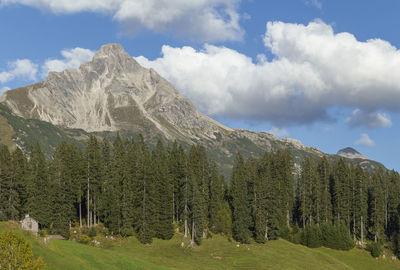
(214, 253)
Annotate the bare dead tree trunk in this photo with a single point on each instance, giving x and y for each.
(287, 215)
(193, 232)
(94, 212)
(80, 214)
(362, 230)
(354, 227)
(88, 196)
(186, 209)
(173, 206)
(266, 230)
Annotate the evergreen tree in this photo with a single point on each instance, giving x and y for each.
(218, 207)
(360, 206)
(376, 206)
(144, 200)
(163, 193)
(7, 186)
(326, 200)
(93, 178)
(241, 210)
(39, 202)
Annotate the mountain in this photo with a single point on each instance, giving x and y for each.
(110, 93)
(351, 153)
(113, 93)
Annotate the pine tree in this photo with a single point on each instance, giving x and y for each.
(341, 192)
(93, 165)
(326, 200)
(39, 201)
(259, 176)
(217, 204)
(143, 195)
(376, 206)
(360, 206)
(163, 193)
(241, 210)
(19, 167)
(7, 187)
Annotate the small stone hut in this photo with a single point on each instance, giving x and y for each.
(30, 224)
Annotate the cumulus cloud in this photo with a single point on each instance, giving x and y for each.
(365, 140)
(19, 69)
(368, 119)
(206, 20)
(73, 58)
(313, 69)
(279, 132)
(25, 69)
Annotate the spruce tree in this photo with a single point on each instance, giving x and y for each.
(241, 211)
(163, 193)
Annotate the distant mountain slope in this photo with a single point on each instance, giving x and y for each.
(17, 131)
(351, 153)
(113, 93)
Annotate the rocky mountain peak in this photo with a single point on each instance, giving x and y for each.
(113, 92)
(350, 152)
(113, 51)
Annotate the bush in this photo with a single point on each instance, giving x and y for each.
(295, 236)
(43, 233)
(92, 232)
(375, 249)
(84, 239)
(311, 237)
(284, 232)
(16, 253)
(336, 237)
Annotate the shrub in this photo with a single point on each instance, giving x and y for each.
(84, 239)
(295, 236)
(375, 249)
(284, 232)
(92, 232)
(43, 233)
(311, 237)
(336, 237)
(16, 253)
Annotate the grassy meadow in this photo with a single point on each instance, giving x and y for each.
(215, 253)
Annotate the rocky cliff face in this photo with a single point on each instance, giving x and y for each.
(113, 92)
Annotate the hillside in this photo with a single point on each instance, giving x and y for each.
(215, 253)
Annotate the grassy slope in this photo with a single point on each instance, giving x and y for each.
(215, 253)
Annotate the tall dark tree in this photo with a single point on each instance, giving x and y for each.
(39, 202)
(163, 193)
(241, 210)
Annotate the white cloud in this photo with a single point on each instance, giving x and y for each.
(19, 69)
(3, 89)
(279, 132)
(315, 3)
(312, 70)
(371, 120)
(206, 20)
(365, 140)
(73, 58)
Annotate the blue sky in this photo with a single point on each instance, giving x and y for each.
(323, 72)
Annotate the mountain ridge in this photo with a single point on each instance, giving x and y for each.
(113, 93)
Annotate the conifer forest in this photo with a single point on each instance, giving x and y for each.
(149, 192)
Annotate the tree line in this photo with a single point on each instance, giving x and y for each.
(135, 190)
